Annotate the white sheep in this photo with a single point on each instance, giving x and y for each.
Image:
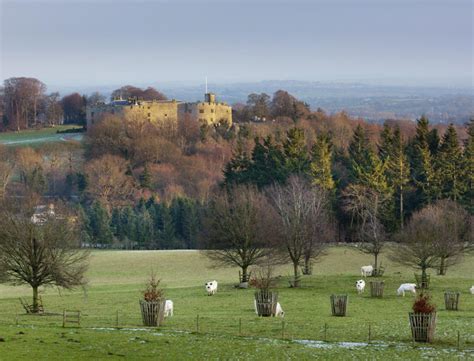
(366, 271)
(360, 286)
(406, 287)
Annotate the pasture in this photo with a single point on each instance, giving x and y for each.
(35, 137)
(227, 327)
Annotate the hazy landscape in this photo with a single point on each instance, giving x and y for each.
(236, 180)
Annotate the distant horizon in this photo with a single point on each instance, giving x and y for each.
(184, 84)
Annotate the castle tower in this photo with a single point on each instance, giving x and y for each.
(210, 98)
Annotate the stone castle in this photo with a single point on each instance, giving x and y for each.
(208, 112)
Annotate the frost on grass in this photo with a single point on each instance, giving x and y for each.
(426, 351)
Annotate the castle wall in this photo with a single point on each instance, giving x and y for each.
(164, 111)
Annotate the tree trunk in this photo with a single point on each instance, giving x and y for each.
(376, 257)
(442, 266)
(307, 266)
(296, 279)
(35, 299)
(244, 274)
(423, 275)
(401, 207)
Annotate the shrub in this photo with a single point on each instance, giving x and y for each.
(423, 304)
(152, 291)
(263, 280)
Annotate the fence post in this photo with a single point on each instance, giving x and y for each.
(240, 326)
(16, 319)
(197, 323)
(325, 332)
(370, 333)
(282, 329)
(117, 319)
(459, 341)
(64, 318)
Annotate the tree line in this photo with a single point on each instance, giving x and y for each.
(25, 103)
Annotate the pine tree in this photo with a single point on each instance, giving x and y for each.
(268, 163)
(99, 222)
(145, 177)
(237, 170)
(128, 224)
(433, 141)
(398, 171)
(359, 152)
(296, 152)
(168, 234)
(191, 224)
(468, 166)
(386, 142)
(116, 224)
(144, 228)
(424, 173)
(450, 165)
(321, 163)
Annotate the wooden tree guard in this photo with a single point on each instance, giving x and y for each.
(422, 326)
(376, 288)
(339, 305)
(241, 280)
(71, 316)
(153, 313)
(378, 272)
(451, 300)
(266, 303)
(29, 308)
(422, 283)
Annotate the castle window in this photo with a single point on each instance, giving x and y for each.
(212, 110)
(201, 111)
(149, 115)
(166, 115)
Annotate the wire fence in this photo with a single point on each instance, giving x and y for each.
(453, 335)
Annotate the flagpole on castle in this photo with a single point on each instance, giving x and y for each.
(206, 84)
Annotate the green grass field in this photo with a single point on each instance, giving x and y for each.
(38, 136)
(116, 278)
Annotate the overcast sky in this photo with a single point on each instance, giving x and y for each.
(116, 42)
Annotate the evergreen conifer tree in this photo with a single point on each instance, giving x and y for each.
(321, 163)
(450, 166)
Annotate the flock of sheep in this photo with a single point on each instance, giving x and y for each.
(366, 271)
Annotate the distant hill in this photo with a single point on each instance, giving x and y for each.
(369, 101)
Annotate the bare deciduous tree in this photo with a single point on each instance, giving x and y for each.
(7, 165)
(365, 205)
(416, 247)
(452, 232)
(237, 229)
(107, 180)
(45, 254)
(302, 221)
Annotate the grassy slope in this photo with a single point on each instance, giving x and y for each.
(116, 278)
(29, 137)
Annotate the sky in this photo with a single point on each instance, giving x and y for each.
(100, 42)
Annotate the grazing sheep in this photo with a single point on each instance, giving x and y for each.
(366, 271)
(472, 290)
(279, 311)
(406, 287)
(168, 308)
(211, 287)
(360, 286)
